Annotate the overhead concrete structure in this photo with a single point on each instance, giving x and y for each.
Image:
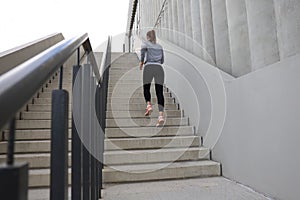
(241, 90)
(236, 36)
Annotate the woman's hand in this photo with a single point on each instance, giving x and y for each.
(141, 65)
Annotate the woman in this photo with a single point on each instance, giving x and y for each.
(152, 57)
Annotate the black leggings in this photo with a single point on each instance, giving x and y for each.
(156, 72)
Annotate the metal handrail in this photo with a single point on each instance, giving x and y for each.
(160, 13)
(18, 85)
(104, 63)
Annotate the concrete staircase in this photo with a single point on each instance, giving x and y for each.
(33, 133)
(136, 150)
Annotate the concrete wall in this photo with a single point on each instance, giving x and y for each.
(262, 33)
(222, 47)
(13, 57)
(237, 36)
(260, 140)
(288, 27)
(256, 135)
(251, 123)
(199, 89)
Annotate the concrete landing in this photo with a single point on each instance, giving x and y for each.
(217, 188)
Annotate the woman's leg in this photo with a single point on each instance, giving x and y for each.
(159, 88)
(147, 94)
(147, 79)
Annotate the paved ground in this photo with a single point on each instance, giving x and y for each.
(191, 189)
(217, 188)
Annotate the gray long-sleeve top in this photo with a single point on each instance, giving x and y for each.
(152, 53)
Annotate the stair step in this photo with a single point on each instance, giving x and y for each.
(124, 66)
(149, 131)
(35, 124)
(45, 100)
(154, 156)
(161, 171)
(131, 89)
(31, 115)
(116, 93)
(136, 100)
(38, 146)
(42, 107)
(36, 134)
(49, 94)
(136, 106)
(140, 114)
(145, 122)
(151, 143)
(35, 160)
(136, 82)
(131, 86)
(52, 87)
(41, 178)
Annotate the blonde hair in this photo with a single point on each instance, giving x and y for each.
(151, 36)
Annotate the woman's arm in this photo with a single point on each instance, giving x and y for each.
(143, 52)
(162, 57)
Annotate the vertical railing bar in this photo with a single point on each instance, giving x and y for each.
(98, 145)
(76, 189)
(11, 142)
(60, 77)
(96, 133)
(89, 127)
(78, 56)
(59, 145)
(13, 176)
(86, 138)
(92, 136)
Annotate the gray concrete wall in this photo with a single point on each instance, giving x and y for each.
(188, 25)
(207, 32)
(238, 37)
(260, 140)
(170, 18)
(221, 35)
(262, 33)
(288, 27)
(259, 134)
(175, 22)
(199, 89)
(13, 57)
(181, 27)
(196, 28)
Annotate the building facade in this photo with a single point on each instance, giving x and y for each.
(236, 36)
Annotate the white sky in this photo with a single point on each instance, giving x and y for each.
(23, 21)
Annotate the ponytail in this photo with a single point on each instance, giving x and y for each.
(151, 36)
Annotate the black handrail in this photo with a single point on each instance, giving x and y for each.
(160, 13)
(32, 74)
(20, 84)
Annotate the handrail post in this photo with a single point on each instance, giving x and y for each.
(76, 142)
(13, 177)
(60, 80)
(86, 137)
(59, 145)
(92, 138)
(11, 142)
